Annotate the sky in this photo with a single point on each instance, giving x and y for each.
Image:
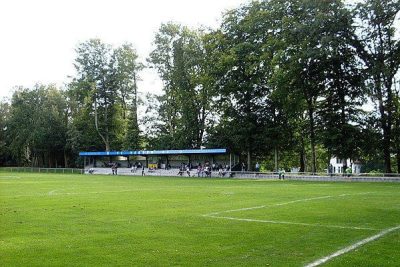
(38, 37)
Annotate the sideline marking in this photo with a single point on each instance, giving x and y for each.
(283, 203)
(213, 215)
(52, 192)
(352, 247)
(294, 223)
(9, 176)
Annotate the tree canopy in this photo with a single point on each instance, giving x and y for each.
(288, 83)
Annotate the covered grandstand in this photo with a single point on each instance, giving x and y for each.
(157, 159)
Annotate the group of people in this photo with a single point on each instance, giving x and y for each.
(203, 170)
(184, 168)
(137, 166)
(348, 171)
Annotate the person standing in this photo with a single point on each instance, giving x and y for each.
(330, 170)
(257, 167)
(349, 171)
(143, 170)
(281, 174)
(116, 168)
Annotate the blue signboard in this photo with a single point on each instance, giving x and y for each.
(155, 152)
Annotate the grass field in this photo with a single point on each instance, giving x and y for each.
(82, 220)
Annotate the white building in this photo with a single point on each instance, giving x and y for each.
(337, 165)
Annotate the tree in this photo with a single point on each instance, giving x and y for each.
(4, 117)
(242, 55)
(104, 95)
(379, 49)
(95, 79)
(37, 126)
(184, 107)
(396, 130)
(126, 70)
(314, 36)
(343, 96)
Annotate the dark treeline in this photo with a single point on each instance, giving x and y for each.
(290, 83)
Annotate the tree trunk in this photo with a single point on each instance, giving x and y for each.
(249, 167)
(96, 123)
(276, 159)
(312, 138)
(384, 120)
(398, 160)
(135, 112)
(386, 152)
(65, 159)
(302, 157)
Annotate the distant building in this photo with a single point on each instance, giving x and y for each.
(337, 165)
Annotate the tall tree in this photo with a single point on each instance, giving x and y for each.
(314, 35)
(242, 60)
(37, 126)
(178, 57)
(94, 69)
(4, 117)
(396, 130)
(126, 68)
(105, 95)
(379, 48)
(343, 96)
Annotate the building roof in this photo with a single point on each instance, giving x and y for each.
(155, 152)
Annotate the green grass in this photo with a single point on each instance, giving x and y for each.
(90, 220)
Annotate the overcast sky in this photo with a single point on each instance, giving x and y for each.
(38, 37)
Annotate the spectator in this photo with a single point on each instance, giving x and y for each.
(349, 171)
(116, 168)
(188, 170)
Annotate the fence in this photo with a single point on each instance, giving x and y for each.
(42, 170)
(362, 177)
(359, 177)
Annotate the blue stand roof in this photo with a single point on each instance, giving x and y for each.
(155, 152)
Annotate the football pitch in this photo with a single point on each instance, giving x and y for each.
(91, 220)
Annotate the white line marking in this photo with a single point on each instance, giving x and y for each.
(293, 223)
(227, 211)
(213, 215)
(52, 192)
(301, 200)
(7, 177)
(285, 203)
(352, 247)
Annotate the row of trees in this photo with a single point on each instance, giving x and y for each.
(286, 82)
